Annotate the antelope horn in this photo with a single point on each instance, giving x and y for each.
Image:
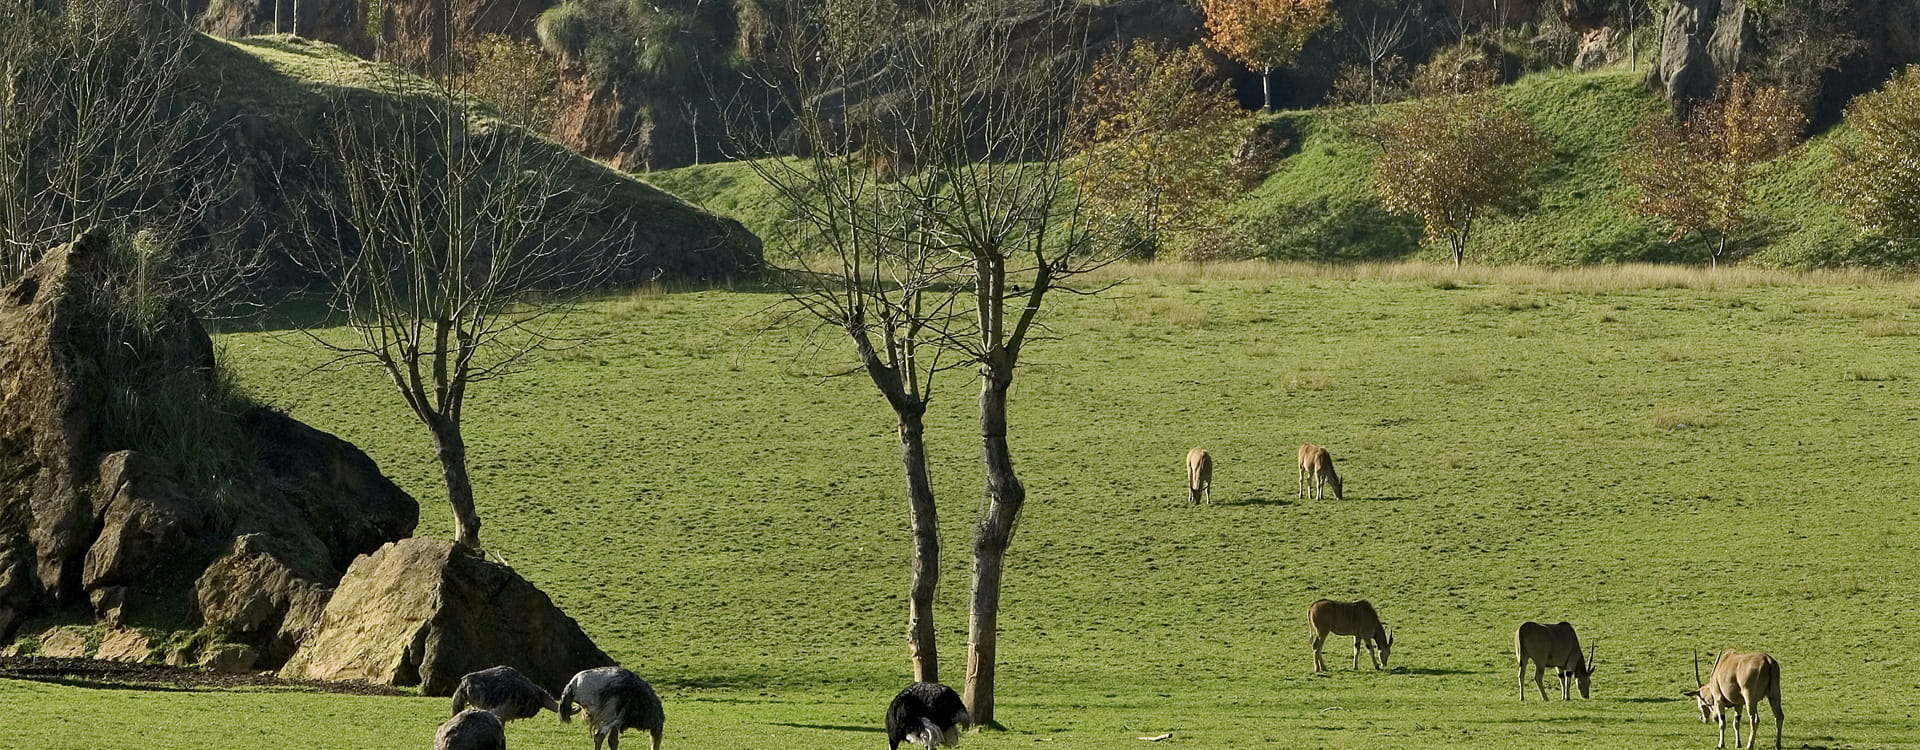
(1592, 649)
(1696, 668)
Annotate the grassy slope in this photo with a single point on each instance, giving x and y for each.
(1321, 205)
(286, 83)
(1669, 468)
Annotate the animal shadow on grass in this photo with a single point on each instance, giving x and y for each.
(1260, 500)
(829, 727)
(1429, 671)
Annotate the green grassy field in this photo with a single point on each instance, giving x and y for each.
(1670, 460)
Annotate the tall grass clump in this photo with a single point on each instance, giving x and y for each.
(151, 369)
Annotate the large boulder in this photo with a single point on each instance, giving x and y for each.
(426, 611)
(46, 441)
(91, 514)
(146, 522)
(260, 595)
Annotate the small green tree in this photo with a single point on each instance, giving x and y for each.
(1264, 34)
(1450, 159)
(1875, 177)
(1696, 174)
(1160, 138)
(514, 77)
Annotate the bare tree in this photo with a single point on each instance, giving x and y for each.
(859, 257)
(934, 172)
(99, 129)
(446, 241)
(1379, 39)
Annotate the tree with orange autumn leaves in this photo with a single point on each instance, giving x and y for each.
(1696, 174)
(1264, 34)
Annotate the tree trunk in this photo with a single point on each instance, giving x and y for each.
(926, 548)
(453, 466)
(1266, 87)
(1005, 496)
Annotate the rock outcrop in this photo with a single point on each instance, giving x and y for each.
(1700, 41)
(92, 517)
(425, 612)
(1703, 41)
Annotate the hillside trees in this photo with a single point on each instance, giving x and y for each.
(1696, 174)
(445, 241)
(947, 221)
(1876, 177)
(1159, 138)
(99, 128)
(1264, 34)
(1449, 159)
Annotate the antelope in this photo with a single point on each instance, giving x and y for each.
(1199, 475)
(1317, 462)
(1552, 646)
(1739, 681)
(1356, 619)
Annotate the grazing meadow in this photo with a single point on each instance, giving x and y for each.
(1673, 460)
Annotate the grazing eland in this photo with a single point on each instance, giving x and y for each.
(1317, 463)
(1199, 475)
(1552, 646)
(1738, 681)
(1356, 619)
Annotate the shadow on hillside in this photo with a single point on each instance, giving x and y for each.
(829, 727)
(1280, 502)
(1387, 498)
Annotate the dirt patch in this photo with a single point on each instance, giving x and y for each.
(122, 675)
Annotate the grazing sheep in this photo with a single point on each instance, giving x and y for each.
(926, 714)
(504, 692)
(472, 729)
(1317, 463)
(1199, 475)
(614, 699)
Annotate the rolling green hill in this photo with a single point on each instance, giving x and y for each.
(1670, 460)
(1321, 205)
(267, 97)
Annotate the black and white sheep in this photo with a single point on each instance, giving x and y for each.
(926, 714)
(472, 729)
(614, 699)
(504, 692)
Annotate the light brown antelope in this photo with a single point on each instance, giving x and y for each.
(1739, 681)
(1552, 646)
(1316, 462)
(1199, 475)
(1356, 619)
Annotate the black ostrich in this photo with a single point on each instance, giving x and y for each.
(472, 729)
(503, 692)
(926, 714)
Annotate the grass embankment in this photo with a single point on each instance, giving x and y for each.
(1321, 204)
(1670, 460)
